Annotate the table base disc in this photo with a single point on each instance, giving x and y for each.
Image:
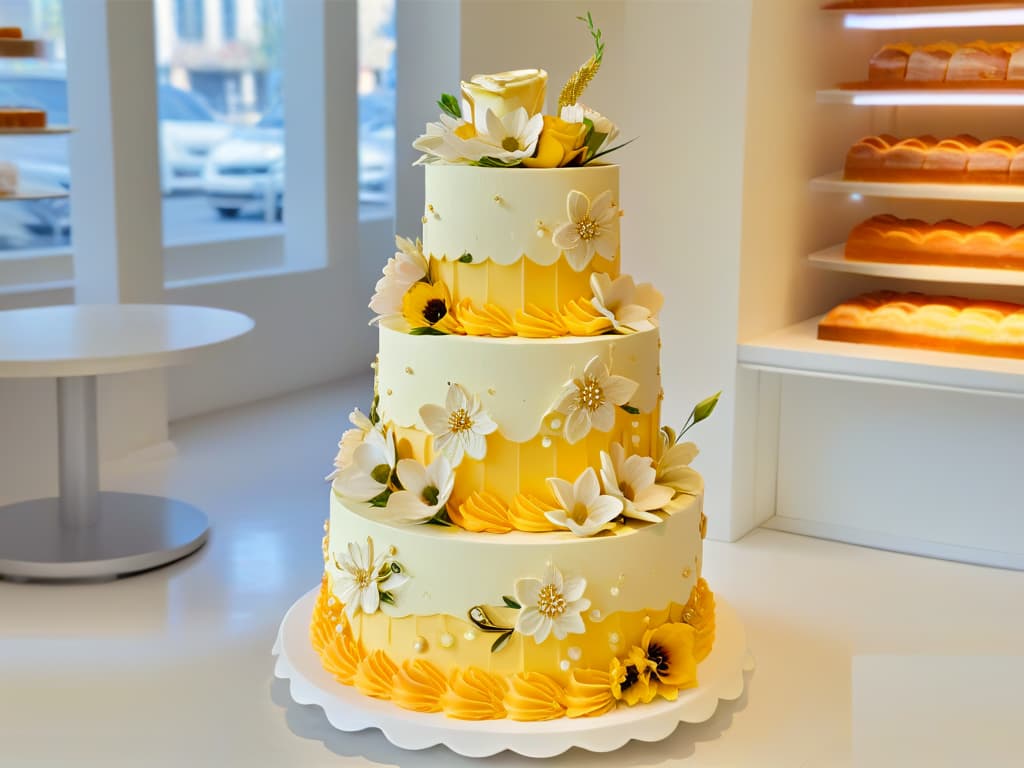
(135, 532)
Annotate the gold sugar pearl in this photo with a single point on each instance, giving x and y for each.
(686, 573)
(423, 220)
(491, 390)
(408, 369)
(430, 207)
(498, 199)
(447, 640)
(390, 391)
(419, 644)
(392, 550)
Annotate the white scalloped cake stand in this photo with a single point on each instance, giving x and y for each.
(721, 677)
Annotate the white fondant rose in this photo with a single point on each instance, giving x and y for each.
(504, 92)
(407, 267)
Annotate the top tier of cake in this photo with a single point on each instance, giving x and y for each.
(521, 237)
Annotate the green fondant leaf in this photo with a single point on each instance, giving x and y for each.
(425, 330)
(466, 258)
(511, 602)
(450, 105)
(502, 641)
(630, 409)
(387, 597)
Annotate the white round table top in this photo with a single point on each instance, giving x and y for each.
(93, 339)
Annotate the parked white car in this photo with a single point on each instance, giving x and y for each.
(246, 172)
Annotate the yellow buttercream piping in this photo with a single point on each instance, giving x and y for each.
(481, 512)
(492, 320)
(418, 686)
(527, 514)
(341, 658)
(537, 323)
(533, 696)
(699, 613)
(474, 694)
(582, 319)
(326, 618)
(589, 693)
(374, 675)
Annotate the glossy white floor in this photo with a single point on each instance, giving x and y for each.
(173, 667)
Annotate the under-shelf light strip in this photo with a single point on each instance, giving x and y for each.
(939, 99)
(1003, 17)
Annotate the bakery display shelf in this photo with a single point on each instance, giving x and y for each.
(833, 259)
(36, 193)
(797, 350)
(987, 193)
(938, 15)
(924, 97)
(46, 130)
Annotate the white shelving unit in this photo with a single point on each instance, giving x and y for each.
(842, 440)
(1009, 97)
(833, 259)
(979, 193)
(20, 49)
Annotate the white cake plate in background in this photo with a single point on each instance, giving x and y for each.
(721, 678)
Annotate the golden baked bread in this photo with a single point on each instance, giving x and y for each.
(962, 159)
(941, 323)
(892, 240)
(853, 5)
(945, 65)
(929, 63)
(22, 117)
(890, 63)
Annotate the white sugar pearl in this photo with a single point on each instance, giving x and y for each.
(470, 635)
(595, 615)
(447, 640)
(339, 628)
(331, 601)
(575, 653)
(614, 638)
(636, 439)
(563, 665)
(546, 442)
(419, 644)
(556, 423)
(614, 591)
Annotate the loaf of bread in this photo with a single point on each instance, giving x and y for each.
(946, 65)
(22, 117)
(853, 5)
(961, 159)
(891, 240)
(941, 323)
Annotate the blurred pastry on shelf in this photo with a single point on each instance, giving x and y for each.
(979, 64)
(8, 178)
(892, 240)
(13, 43)
(962, 159)
(938, 323)
(22, 117)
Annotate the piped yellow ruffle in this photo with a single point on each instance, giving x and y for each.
(699, 613)
(341, 658)
(589, 693)
(374, 675)
(482, 512)
(538, 323)
(533, 696)
(527, 514)
(492, 320)
(582, 319)
(327, 618)
(418, 686)
(474, 694)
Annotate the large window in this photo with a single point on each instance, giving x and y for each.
(41, 160)
(376, 107)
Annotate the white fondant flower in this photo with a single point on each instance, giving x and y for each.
(589, 229)
(372, 462)
(632, 479)
(453, 140)
(350, 440)
(551, 605)
(360, 578)
(590, 400)
(460, 426)
(425, 490)
(674, 468)
(407, 267)
(585, 510)
(629, 307)
(513, 136)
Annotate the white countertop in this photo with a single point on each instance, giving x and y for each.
(173, 667)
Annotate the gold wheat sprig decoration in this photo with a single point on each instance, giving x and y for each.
(574, 87)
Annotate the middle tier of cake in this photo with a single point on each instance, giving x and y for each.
(520, 383)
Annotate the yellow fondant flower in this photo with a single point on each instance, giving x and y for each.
(631, 678)
(589, 230)
(502, 93)
(589, 401)
(669, 651)
(460, 426)
(560, 143)
(430, 306)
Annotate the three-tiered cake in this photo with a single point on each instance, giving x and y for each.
(512, 533)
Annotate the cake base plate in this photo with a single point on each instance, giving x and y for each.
(721, 678)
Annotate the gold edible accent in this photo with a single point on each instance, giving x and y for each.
(408, 369)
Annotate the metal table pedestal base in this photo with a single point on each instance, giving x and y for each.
(133, 532)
